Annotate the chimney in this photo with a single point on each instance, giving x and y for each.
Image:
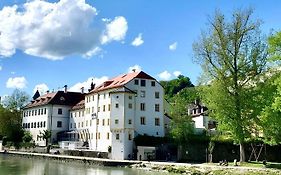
(65, 88)
(133, 70)
(47, 91)
(82, 90)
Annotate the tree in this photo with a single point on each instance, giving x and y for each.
(233, 55)
(271, 120)
(174, 86)
(10, 126)
(46, 135)
(182, 125)
(16, 101)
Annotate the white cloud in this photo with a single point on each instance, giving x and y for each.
(165, 75)
(13, 73)
(176, 73)
(42, 88)
(115, 30)
(138, 40)
(55, 30)
(86, 84)
(16, 82)
(173, 46)
(136, 67)
(0, 68)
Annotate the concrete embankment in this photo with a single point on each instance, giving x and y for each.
(66, 158)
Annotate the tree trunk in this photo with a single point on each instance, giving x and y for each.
(242, 152)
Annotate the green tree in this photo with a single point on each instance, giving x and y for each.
(46, 135)
(10, 126)
(271, 120)
(174, 86)
(182, 125)
(233, 55)
(16, 101)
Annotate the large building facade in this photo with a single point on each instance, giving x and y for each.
(112, 114)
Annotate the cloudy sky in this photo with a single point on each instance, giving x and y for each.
(48, 44)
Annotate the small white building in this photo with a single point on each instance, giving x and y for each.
(49, 112)
(198, 112)
(115, 112)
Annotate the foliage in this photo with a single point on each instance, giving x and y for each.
(10, 126)
(27, 137)
(233, 56)
(174, 86)
(270, 118)
(145, 140)
(16, 101)
(46, 135)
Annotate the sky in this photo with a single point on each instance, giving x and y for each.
(45, 45)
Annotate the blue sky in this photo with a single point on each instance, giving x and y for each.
(47, 46)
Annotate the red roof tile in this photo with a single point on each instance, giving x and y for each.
(121, 80)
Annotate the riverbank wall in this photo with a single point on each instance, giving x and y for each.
(78, 159)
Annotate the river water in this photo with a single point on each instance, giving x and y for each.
(12, 165)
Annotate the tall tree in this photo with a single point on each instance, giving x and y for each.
(233, 55)
(271, 120)
(16, 101)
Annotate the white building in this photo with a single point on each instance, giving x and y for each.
(106, 119)
(199, 115)
(113, 113)
(49, 112)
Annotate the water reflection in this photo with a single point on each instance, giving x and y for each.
(10, 165)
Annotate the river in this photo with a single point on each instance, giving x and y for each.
(13, 165)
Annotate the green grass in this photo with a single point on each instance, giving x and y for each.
(255, 164)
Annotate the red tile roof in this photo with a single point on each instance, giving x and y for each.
(79, 105)
(121, 80)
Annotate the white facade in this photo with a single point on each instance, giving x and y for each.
(46, 117)
(113, 117)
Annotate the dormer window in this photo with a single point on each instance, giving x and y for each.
(62, 99)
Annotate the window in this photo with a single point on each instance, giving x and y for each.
(117, 136)
(103, 122)
(31, 125)
(143, 83)
(90, 122)
(157, 122)
(104, 96)
(136, 82)
(142, 94)
(44, 124)
(108, 107)
(93, 109)
(32, 112)
(35, 112)
(42, 111)
(157, 108)
(107, 136)
(99, 135)
(45, 110)
(98, 109)
(152, 83)
(130, 121)
(130, 97)
(86, 123)
(103, 108)
(116, 121)
(74, 125)
(157, 95)
(60, 111)
(116, 105)
(70, 125)
(71, 114)
(108, 122)
(78, 124)
(82, 124)
(98, 121)
(142, 106)
(41, 124)
(93, 98)
(142, 120)
(130, 105)
(34, 124)
(130, 137)
(38, 124)
(59, 124)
